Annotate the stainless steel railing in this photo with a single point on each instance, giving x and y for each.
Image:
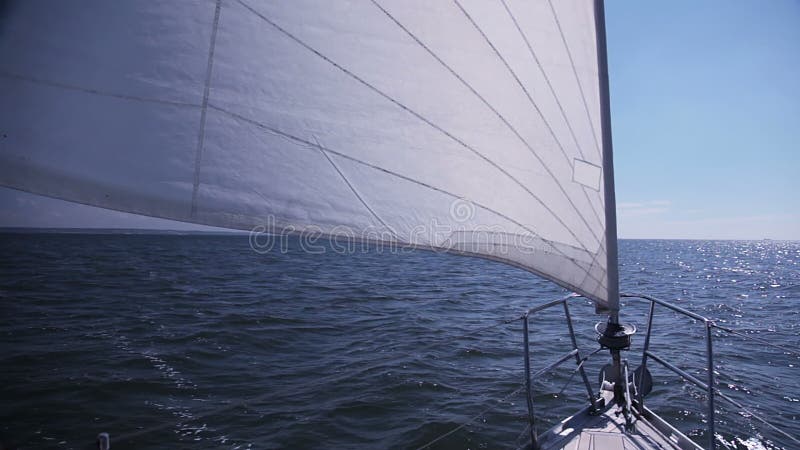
(574, 352)
(707, 386)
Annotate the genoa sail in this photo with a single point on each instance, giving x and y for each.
(468, 126)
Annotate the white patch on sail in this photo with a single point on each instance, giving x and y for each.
(586, 174)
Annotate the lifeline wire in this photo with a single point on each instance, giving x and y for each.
(577, 369)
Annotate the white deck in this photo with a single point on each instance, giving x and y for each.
(606, 431)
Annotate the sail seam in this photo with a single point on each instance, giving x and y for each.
(353, 189)
(553, 92)
(72, 87)
(544, 120)
(488, 105)
(575, 72)
(201, 135)
(600, 250)
(546, 78)
(290, 138)
(422, 118)
(406, 178)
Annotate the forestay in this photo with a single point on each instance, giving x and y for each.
(471, 126)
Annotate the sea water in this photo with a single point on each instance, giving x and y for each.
(198, 341)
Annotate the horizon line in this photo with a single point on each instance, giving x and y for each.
(111, 230)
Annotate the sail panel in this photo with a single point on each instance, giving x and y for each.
(462, 126)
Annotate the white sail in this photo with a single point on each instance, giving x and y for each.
(471, 126)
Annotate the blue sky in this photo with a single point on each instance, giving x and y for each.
(706, 124)
(706, 117)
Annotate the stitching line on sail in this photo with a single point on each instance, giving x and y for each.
(353, 189)
(546, 78)
(575, 72)
(553, 92)
(201, 134)
(492, 108)
(600, 250)
(434, 188)
(420, 117)
(76, 88)
(192, 105)
(544, 120)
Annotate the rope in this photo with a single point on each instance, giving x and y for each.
(474, 418)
